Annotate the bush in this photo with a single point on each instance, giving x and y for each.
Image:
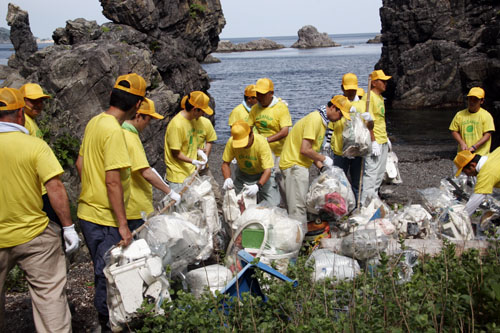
(446, 293)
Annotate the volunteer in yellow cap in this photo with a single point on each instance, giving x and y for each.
(472, 127)
(142, 175)
(34, 98)
(374, 167)
(27, 237)
(104, 168)
(181, 146)
(301, 149)
(487, 170)
(253, 154)
(334, 141)
(241, 111)
(271, 118)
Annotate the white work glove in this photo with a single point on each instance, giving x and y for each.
(376, 149)
(175, 196)
(197, 163)
(202, 155)
(328, 162)
(228, 184)
(366, 116)
(251, 190)
(71, 239)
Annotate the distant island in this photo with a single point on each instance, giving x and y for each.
(4, 35)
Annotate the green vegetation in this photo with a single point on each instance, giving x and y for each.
(65, 146)
(105, 29)
(154, 45)
(196, 9)
(16, 281)
(445, 293)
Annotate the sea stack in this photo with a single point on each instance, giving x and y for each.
(309, 37)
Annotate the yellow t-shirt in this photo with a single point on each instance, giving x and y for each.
(489, 175)
(337, 141)
(238, 113)
(377, 110)
(180, 135)
(103, 149)
(253, 160)
(27, 162)
(269, 121)
(472, 127)
(141, 191)
(32, 127)
(310, 127)
(205, 131)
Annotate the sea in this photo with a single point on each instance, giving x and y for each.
(307, 79)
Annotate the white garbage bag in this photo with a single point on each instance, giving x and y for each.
(215, 277)
(356, 137)
(328, 265)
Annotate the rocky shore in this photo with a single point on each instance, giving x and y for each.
(254, 45)
(421, 166)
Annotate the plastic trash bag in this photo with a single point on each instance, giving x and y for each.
(413, 222)
(454, 223)
(328, 265)
(330, 193)
(363, 244)
(392, 175)
(233, 204)
(356, 137)
(215, 277)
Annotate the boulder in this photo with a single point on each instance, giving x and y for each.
(20, 35)
(309, 37)
(262, 44)
(375, 40)
(163, 41)
(210, 59)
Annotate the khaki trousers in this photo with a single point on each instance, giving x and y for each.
(43, 261)
(296, 179)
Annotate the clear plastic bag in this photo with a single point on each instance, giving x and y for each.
(356, 137)
(328, 265)
(319, 197)
(363, 244)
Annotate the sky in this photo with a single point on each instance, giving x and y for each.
(256, 18)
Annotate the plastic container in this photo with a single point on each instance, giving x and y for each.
(252, 238)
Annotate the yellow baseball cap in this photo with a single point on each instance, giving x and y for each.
(250, 91)
(343, 104)
(264, 85)
(200, 100)
(360, 92)
(350, 81)
(380, 75)
(462, 159)
(240, 131)
(183, 101)
(33, 91)
(148, 107)
(12, 98)
(136, 82)
(476, 92)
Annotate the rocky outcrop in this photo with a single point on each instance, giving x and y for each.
(164, 41)
(437, 50)
(210, 59)
(375, 40)
(20, 35)
(254, 45)
(309, 37)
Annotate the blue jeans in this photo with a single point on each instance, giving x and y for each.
(352, 170)
(99, 240)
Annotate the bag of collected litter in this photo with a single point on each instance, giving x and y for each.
(234, 204)
(328, 265)
(215, 277)
(392, 175)
(330, 193)
(356, 137)
(266, 233)
(436, 199)
(364, 218)
(177, 241)
(133, 274)
(455, 223)
(413, 222)
(363, 244)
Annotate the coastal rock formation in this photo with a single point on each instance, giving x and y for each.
(309, 37)
(163, 41)
(20, 35)
(436, 51)
(210, 59)
(375, 40)
(254, 45)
